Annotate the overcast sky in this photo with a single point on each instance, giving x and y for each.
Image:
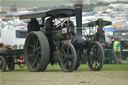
(41, 3)
(33, 3)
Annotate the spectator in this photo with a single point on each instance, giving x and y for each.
(117, 50)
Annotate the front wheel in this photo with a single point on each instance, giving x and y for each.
(95, 56)
(68, 57)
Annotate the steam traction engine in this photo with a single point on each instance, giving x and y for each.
(57, 41)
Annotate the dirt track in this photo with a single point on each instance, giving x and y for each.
(56, 77)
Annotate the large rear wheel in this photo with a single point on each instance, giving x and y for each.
(36, 51)
(95, 56)
(68, 57)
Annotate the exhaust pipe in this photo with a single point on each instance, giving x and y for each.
(79, 39)
(78, 12)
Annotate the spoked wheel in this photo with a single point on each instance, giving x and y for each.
(11, 63)
(68, 57)
(36, 51)
(2, 64)
(95, 56)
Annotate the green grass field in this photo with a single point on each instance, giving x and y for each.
(106, 67)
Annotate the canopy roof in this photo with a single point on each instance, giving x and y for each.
(54, 13)
(95, 23)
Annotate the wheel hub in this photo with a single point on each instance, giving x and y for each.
(35, 51)
(67, 57)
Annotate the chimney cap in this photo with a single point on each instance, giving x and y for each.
(78, 5)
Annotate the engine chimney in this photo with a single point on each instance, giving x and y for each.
(78, 12)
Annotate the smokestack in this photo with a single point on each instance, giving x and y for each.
(78, 12)
(100, 26)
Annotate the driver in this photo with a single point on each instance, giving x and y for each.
(49, 23)
(48, 26)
